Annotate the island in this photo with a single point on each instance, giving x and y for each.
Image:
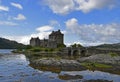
(52, 54)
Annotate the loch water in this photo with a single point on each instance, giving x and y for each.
(15, 68)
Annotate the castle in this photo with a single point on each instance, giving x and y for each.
(55, 38)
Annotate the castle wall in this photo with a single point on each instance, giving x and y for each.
(55, 38)
(35, 42)
(52, 44)
(44, 43)
(59, 39)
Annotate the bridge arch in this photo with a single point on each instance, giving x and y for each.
(75, 52)
(69, 52)
(83, 52)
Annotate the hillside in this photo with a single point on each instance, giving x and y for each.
(8, 44)
(108, 46)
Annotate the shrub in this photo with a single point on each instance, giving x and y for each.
(46, 50)
(28, 47)
(51, 50)
(61, 45)
(76, 45)
(19, 49)
(36, 49)
(113, 54)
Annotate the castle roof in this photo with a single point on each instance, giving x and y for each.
(56, 33)
(37, 38)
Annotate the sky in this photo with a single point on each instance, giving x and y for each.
(88, 22)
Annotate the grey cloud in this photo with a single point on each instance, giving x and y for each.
(66, 6)
(104, 33)
(60, 6)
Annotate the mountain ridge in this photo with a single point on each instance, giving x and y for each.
(107, 46)
(10, 44)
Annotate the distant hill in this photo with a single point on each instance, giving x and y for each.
(8, 44)
(108, 46)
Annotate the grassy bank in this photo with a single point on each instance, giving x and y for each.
(95, 65)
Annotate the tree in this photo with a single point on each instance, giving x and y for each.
(61, 45)
(28, 47)
(76, 45)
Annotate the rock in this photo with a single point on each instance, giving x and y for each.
(101, 58)
(63, 64)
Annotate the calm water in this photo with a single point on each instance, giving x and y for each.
(4, 51)
(15, 68)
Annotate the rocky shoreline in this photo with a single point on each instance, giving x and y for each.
(62, 64)
(76, 65)
(101, 58)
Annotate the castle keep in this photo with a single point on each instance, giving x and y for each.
(55, 38)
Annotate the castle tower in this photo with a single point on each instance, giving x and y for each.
(35, 41)
(57, 36)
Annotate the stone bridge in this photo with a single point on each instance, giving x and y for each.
(75, 51)
(69, 51)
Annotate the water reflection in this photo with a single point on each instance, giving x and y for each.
(5, 51)
(15, 68)
(81, 76)
(96, 75)
(70, 77)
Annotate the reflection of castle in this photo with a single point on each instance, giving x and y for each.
(55, 38)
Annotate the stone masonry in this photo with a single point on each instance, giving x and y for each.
(55, 38)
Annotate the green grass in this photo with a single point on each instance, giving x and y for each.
(37, 49)
(95, 65)
(113, 54)
(102, 65)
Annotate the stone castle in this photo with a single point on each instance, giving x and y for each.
(55, 38)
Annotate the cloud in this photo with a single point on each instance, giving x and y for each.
(21, 39)
(19, 6)
(44, 28)
(60, 6)
(41, 32)
(88, 5)
(94, 33)
(66, 6)
(54, 23)
(4, 8)
(8, 23)
(20, 17)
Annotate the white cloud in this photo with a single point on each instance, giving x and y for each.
(19, 6)
(88, 5)
(44, 28)
(20, 39)
(20, 17)
(42, 32)
(4, 8)
(54, 23)
(60, 6)
(94, 33)
(8, 23)
(66, 6)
